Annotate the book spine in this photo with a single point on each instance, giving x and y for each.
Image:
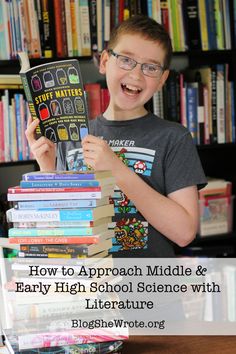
(52, 224)
(214, 104)
(78, 231)
(220, 82)
(60, 249)
(54, 215)
(54, 240)
(59, 184)
(47, 19)
(192, 103)
(211, 25)
(26, 85)
(191, 16)
(203, 24)
(19, 190)
(55, 176)
(84, 28)
(93, 24)
(54, 196)
(68, 28)
(62, 204)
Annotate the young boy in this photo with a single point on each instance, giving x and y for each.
(154, 161)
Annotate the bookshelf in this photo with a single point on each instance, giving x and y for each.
(218, 159)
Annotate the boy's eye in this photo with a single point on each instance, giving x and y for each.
(126, 60)
(151, 68)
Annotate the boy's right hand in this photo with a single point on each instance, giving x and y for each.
(43, 149)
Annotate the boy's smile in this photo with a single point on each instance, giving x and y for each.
(129, 88)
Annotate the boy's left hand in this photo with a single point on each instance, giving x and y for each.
(98, 154)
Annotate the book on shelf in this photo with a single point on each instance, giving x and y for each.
(55, 96)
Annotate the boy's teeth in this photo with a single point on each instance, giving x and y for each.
(131, 88)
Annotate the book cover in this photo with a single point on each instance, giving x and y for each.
(55, 96)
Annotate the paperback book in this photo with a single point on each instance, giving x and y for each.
(55, 96)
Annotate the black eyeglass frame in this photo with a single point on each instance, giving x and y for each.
(160, 69)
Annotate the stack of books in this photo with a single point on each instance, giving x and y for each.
(216, 208)
(55, 216)
(62, 214)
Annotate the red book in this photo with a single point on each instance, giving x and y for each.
(54, 240)
(93, 91)
(105, 99)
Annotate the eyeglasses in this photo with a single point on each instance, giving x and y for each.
(127, 63)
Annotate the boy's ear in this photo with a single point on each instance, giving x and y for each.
(163, 79)
(103, 59)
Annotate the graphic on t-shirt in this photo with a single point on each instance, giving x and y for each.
(130, 234)
(122, 204)
(140, 160)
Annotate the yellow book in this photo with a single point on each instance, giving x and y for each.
(203, 24)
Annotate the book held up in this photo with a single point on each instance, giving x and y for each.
(55, 96)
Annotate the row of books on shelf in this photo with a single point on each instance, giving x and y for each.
(14, 114)
(202, 100)
(59, 215)
(74, 28)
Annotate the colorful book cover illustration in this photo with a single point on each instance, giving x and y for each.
(55, 96)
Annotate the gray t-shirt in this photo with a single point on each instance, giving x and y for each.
(162, 153)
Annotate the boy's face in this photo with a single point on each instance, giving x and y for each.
(130, 90)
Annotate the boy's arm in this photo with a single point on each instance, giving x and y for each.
(43, 149)
(175, 216)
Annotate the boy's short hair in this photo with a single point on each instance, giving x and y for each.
(146, 27)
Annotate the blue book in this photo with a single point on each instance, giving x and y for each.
(65, 175)
(211, 24)
(60, 231)
(191, 108)
(68, 183)
(14, 215)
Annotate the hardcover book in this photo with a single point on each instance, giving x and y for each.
(55, 96)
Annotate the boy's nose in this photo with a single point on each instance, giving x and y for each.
(136, 72)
